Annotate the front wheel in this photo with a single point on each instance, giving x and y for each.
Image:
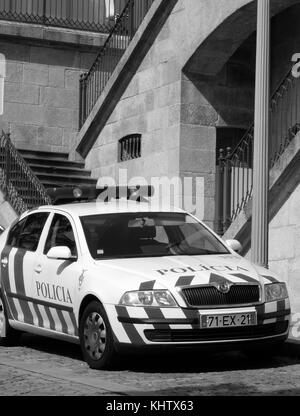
(96, 337)
(8, 335)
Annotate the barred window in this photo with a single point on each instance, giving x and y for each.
(130, 147)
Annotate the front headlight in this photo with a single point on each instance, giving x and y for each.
(276, 291)
(157, 298)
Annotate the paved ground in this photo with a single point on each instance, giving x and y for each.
(41, 366)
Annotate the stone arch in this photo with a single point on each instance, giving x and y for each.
(210, 56)
(209, 100)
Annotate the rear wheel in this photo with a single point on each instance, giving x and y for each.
(96, 337)
(8, 335)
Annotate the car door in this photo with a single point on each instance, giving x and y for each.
(56, 281)
(17, 262)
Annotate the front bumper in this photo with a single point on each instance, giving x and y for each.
(142, 327)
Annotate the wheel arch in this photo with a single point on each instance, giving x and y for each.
(85, 301)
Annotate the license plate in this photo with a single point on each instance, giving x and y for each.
(228, 320)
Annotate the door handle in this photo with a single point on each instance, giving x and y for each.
(4, 262)
(38, 269)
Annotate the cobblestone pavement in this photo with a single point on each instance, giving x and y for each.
(41, 366)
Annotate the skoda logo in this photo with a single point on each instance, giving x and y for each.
(224, 288)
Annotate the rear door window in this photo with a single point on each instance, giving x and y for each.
(27, 232)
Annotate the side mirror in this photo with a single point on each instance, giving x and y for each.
(60, 253)
(2, 229)
(234, 245)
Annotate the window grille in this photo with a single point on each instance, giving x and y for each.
(130, 147)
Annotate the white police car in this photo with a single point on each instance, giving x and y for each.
(112, 276)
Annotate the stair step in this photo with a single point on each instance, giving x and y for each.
(31, 160)
(43, 154)
(59, 170)
(62, 180)
(53, 170)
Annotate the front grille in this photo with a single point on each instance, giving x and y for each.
(219, 334)
(211, 296)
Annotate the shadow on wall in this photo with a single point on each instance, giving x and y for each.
(219, 78)
(224, 99)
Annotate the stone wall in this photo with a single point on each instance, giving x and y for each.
(198, 75)
(176, 120)
(41, 93)
(150, 106)
(226, 100)
(284, 246)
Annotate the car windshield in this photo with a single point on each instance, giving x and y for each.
(148, 235)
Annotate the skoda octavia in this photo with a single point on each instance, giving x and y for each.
(114, 276)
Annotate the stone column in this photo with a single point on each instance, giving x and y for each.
(260, 225)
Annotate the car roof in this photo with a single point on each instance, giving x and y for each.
(112, 207)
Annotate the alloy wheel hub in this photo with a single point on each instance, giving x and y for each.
(95, 336)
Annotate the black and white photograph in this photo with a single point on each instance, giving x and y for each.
(149, 201)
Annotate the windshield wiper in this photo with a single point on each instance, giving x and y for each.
(190, 252)
(208, 252)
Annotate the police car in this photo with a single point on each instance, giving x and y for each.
(113, 275)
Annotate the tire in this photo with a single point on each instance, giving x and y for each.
(96, 338)
(11, 336)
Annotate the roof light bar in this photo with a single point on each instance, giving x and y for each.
(68, 195)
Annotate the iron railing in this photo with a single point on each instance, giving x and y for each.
(93, 82)
(91, 15)
(17, 181)
(234, 175)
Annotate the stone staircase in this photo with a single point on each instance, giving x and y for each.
(55, 170)
(25, 176)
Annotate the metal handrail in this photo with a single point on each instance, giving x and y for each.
(95, 15)
(93, 82)
(234, 176)
(19, 184)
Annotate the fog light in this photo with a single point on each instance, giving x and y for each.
(77, 192)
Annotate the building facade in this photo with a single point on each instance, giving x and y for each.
(165, 93)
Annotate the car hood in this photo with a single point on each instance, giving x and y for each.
(174, 271)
